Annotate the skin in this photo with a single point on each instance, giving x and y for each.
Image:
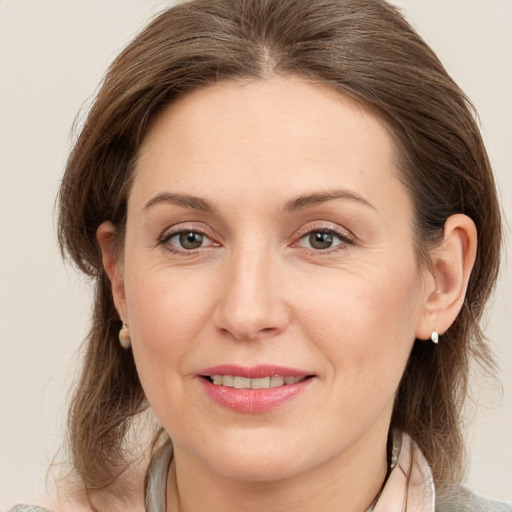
(257, 292)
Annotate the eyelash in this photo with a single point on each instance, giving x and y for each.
(165, 239)
(344, 239)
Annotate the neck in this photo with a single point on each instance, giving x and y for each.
(348, 482)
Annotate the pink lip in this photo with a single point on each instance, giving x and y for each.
(252, 400)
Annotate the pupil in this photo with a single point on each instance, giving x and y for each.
(191, 240)
(320, 240)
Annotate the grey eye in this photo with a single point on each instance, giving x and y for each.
(321, 239)
(185, 240)
(190, 239)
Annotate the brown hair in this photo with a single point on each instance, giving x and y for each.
(361, 48)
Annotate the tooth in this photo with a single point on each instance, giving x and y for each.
(276, 381)
(227, 380)
(241, 383)
(262, 383)
(259, 383)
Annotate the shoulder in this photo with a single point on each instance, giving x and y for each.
(54, 507)
(460, 499)
(28, 508)
(69, 506)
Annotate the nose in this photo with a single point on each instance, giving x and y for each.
(251, 303)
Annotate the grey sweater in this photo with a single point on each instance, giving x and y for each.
(457, 500)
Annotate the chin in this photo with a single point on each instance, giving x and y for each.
(258, 469)
(258, 458)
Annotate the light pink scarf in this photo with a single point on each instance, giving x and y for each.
(410, 486)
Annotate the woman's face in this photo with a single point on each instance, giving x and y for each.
(269, 245)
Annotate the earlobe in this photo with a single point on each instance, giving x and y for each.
(451, 264)
(105, 235)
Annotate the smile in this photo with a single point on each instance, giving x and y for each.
(237, 382)
(254, 389)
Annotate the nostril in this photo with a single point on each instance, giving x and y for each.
(268, 330)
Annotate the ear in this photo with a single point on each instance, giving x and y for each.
(451, 264)
(113, 265)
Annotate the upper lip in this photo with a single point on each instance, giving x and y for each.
(253, 372)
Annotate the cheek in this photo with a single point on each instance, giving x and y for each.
(165, 305)
(167, 317)
(365, 321)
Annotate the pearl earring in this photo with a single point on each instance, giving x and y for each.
(124, 337)
(434, 337)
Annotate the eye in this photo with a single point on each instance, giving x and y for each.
(323, 239)
(186, 240)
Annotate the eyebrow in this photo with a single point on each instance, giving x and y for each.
(184, 200)
(308, 200)
(299, 203)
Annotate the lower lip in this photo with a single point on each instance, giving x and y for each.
(253, 400)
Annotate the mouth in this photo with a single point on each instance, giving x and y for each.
(254, 389)
(268, 382)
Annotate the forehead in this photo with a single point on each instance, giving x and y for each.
(283, 133)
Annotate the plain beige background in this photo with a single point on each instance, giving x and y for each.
(52, 56)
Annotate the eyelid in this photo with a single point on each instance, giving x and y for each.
(343, 233)
(344, 236)
(184, 227)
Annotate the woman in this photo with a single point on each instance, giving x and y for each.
(283, 205)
